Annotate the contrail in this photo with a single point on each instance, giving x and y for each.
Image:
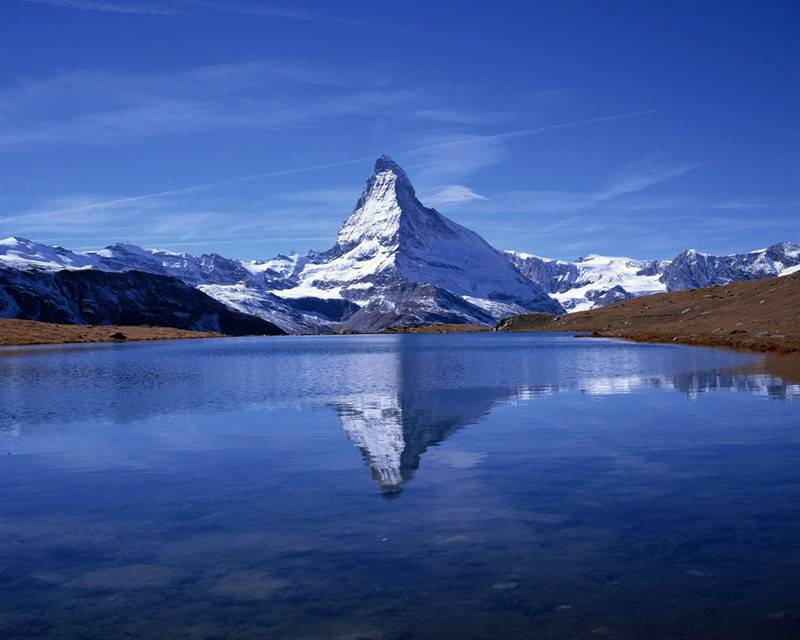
(530, 132)
(192, 189)
(329, 165)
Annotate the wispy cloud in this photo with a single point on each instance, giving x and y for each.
(456, 155)
(193, 7)
(633, 182)
(75, 221)
(56, 213)
(279, 11)
(566, 203)
(452, 194)
(107, 6)
(101, 108)
(519, 196)
(180, 216)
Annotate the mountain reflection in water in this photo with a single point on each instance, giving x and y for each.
(393, 429)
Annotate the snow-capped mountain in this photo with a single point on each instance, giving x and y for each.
(396, 262)
(403, 263)
(19, 253)
(692, 269)
(591, 281)
(594, 281)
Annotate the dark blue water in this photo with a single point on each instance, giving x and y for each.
(388, 487)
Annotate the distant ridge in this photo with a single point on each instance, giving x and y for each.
(756, 315)
(397, 263)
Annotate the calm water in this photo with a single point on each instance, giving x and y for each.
(461, 486)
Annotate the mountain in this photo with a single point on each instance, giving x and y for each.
(397, 263)
(402, 263)
(236, 284)
(91, 296)
(591, 281)
(595, 281)
(691, 269)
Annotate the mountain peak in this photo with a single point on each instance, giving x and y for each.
(387, 173)
(388, 196)
(385, 163)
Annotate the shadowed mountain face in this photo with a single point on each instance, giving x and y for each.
(130, 298)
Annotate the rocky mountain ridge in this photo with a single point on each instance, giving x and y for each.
(396, 262)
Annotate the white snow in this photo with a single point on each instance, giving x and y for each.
(308, 291)
(601, 273)
(19, 253)
(790, 270)
(496, 309)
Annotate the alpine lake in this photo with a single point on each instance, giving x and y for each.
(397, 487)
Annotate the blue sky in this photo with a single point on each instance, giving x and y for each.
(248, 128)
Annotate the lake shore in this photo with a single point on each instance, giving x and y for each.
(440, 327)
(757, 315)
(30, 332)
(760, 316)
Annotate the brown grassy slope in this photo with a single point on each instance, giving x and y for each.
(757, 315)
(29, 332)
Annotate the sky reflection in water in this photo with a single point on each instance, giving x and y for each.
(515, 485)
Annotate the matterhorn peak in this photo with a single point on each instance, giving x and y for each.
(387, 198)
(389, 176)
(385, 164)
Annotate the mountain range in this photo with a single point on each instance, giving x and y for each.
(395, 262)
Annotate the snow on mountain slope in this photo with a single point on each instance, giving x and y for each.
(603, 280)
(19, 253)
(592, 280)
(306, 315)
(692, 269)
(595, 281)
(194, 270)
(403, 262)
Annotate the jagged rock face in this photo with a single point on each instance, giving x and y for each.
(552, 275)
(691, 269)
(129, 298)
